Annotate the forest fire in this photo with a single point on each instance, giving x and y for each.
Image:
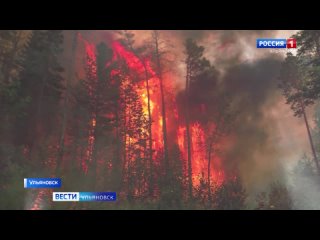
(165, 119)
(140, 107)
(199, 163)
(142, 67)
(91, 68)
(199, 154)
(150, 101)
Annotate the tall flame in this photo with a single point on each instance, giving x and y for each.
(143, 68)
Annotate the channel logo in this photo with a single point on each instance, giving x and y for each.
(276, 43)
(42, 183)
(84, 196)
(65, 196)
(291, 43)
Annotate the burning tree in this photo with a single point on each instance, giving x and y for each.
(214, 116)
(207, 116)
(141, 63)
(159, 73)
(195, 63)
(122, 127)
(142, 56)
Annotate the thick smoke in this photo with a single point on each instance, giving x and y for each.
(267, 138)
(305, 190)
(254, 151)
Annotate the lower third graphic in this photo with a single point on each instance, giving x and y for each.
(84, 196)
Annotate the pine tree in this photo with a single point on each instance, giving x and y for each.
(98, 84)
(13, 43)
(41, 82)
(293, 79)
(134, 125)
(141, 53)
(159, 71)
(12, 46)
(278, 198)
(309, 50)
(195, 64)
(69, 78)
(231, 195)
(217, 118)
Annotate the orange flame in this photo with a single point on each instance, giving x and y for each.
(143, 68)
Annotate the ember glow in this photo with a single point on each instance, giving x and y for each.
(91, 68)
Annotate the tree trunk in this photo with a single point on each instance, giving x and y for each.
(95, 150)
(164, 124)
(151, 184)
(150, 132)
(209, 172)
(189, 160)
(38, 119)
(116, 160)
(65, 104)
(124, 139)
(310, 137)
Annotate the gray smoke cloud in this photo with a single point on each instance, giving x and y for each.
(254, 89)
(268, 138)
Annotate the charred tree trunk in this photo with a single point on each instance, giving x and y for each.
(150, 132)
(163, 109)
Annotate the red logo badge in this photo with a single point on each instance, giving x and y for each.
(291, 43)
